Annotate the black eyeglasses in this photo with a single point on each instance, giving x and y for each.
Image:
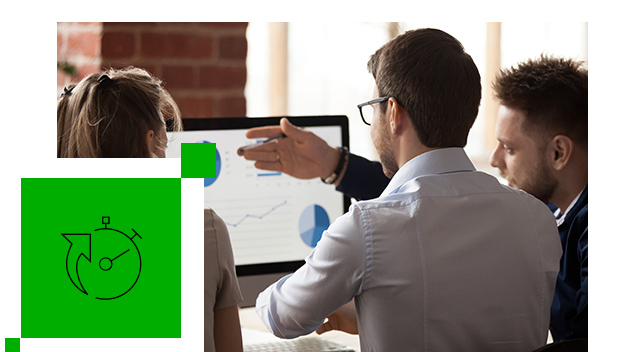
(369, 103)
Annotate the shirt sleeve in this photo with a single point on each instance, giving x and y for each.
(363, 179)
(331, 276)
(219, 259)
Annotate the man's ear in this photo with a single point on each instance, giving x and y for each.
(560, 150)
(397, 117)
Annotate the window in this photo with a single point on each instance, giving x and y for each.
(325, 67)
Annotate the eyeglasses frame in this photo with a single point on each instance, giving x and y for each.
(371, 102)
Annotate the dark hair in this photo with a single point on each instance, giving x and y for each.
(428, 72)
(108, 114)
(553, 92)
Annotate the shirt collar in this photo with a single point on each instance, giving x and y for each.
(561, 218)
(433, 162)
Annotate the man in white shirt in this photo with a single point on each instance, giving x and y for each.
(446, 258)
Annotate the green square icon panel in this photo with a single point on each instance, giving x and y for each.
(12, 345)
(105, 254)
(200, 160)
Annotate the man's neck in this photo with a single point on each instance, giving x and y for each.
(565, 194)
(410, 151)
(572, 180)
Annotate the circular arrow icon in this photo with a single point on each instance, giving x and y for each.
(80, 246)
(110, 277)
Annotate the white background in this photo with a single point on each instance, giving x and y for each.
(28, 143)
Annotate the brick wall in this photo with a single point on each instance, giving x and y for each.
(203, 65)
(79, 45)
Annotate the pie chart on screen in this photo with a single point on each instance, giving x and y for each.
(209, 181)
(314, 220)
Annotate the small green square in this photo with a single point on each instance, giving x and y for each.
(101, 258)
(198, 160)
(12, 345)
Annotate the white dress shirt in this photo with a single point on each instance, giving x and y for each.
(446, 259)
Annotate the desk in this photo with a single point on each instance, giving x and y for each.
(250, 320)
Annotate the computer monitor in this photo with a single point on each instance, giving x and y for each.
(274, 220)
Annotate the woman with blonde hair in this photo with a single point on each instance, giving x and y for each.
(121, 114)
(115, 114)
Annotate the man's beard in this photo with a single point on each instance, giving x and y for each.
(382, 142)
(539, 182)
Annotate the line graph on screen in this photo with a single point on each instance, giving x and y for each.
(255, 216)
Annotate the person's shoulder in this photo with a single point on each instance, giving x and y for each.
(213, 222)
(579, 222)
(385, 201)
(578, 232)
(520, 199)
(579, 213)
(583, 213)
(211, 215)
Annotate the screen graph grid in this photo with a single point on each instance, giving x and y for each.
(271, 217)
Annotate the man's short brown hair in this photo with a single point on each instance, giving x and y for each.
(428, 72)
(553, 93)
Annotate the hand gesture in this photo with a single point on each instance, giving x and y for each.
(302, 154)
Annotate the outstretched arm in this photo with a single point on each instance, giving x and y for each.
(332, 276)
(305, 155)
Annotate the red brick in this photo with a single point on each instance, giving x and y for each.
(231, 107)
(225, 25)
(118, 45)
(117, 65)
(83, 43)
(61, 78)
(177, 25)
(195, 107)
(169, 45)
(233, 47)
(106, 65)
(222, 77)
(109, 25)
(59, 41)
(83, 70)
(152, 69)
(178, 76)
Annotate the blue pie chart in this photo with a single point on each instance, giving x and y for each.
(314, 220)
(209, 181)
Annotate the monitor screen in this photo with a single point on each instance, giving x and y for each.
(274, 220)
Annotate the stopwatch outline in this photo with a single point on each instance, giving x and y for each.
(102, 266)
